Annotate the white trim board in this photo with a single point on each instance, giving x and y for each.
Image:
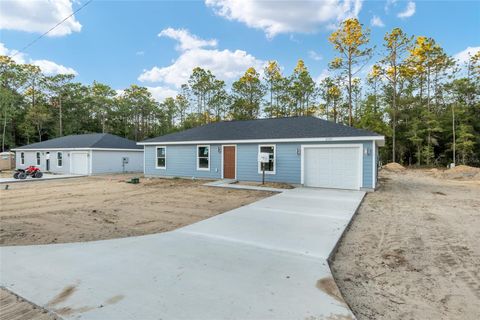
(380, 139)
(77, 149)
(360, 162)
(374, 167)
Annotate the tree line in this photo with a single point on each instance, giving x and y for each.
(424, 102)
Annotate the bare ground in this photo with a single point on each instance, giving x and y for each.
(412, 251)
(104, 207)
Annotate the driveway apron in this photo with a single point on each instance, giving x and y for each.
(261, 261)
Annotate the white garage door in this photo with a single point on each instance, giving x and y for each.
(332, 167)
(79, 163)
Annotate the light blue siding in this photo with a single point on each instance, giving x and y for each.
(31, 160)
(287, 162)
(181, 162)
(111, 161)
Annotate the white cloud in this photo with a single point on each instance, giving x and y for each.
(323, 74)
(224, 64)
(186, 40)
(18, 57)
(463, 56)
(286, 16)
(160, 93)
(38, 16)
(51, 68)
(409, 10)
(315, 55)
(140, 53)
(48, 67)
(376, 21)
(388, 4)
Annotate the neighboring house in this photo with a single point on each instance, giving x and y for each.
(302, 150)
(85, 154)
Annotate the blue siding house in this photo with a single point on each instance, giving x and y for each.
(299, 150)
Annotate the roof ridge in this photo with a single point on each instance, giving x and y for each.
(100, 138)
(260, 119)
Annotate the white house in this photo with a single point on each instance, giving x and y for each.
(85, 154)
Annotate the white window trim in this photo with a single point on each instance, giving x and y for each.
(59, 159)
(274, 159)
(197, 159)
(156, 157)
(22, 158)
(38, 159)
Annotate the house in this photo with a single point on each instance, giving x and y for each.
(301, 150)
(86, 154)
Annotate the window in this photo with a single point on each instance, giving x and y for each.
(59, 159)
(38, 158)
(203, 157)
(161, 158)
(270, 165)
(22, 158)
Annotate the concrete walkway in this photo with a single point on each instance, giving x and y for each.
(46, 176)
(227, 183)
(261, 261)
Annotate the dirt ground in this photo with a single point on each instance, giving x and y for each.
(412, 251)
(104, 207)
(6, 174)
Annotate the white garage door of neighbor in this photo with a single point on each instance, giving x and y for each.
(79, 163)
(332, 167)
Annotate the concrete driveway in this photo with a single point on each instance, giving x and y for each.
(266, 260)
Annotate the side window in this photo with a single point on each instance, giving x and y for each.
(22, 158)
(203, 157)
(59, 159)
(270, 165)
(38, 158)
(161, 158)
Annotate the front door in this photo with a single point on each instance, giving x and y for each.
(229, 156)
(47, 161)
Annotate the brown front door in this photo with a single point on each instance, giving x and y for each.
(229, 162)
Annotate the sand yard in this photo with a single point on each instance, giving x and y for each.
(412, 251)
(105, 207)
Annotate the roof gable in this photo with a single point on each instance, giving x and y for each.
(265, 129)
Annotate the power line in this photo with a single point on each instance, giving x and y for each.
(51, 29)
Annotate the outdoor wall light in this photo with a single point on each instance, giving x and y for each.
(219, 148)
(299, 151)
(367, 151)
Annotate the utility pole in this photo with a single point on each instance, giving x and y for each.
(453, 133)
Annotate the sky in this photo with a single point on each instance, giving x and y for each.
(157, 43)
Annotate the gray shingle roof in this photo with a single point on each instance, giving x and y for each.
(272, 128)
(89, 140)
